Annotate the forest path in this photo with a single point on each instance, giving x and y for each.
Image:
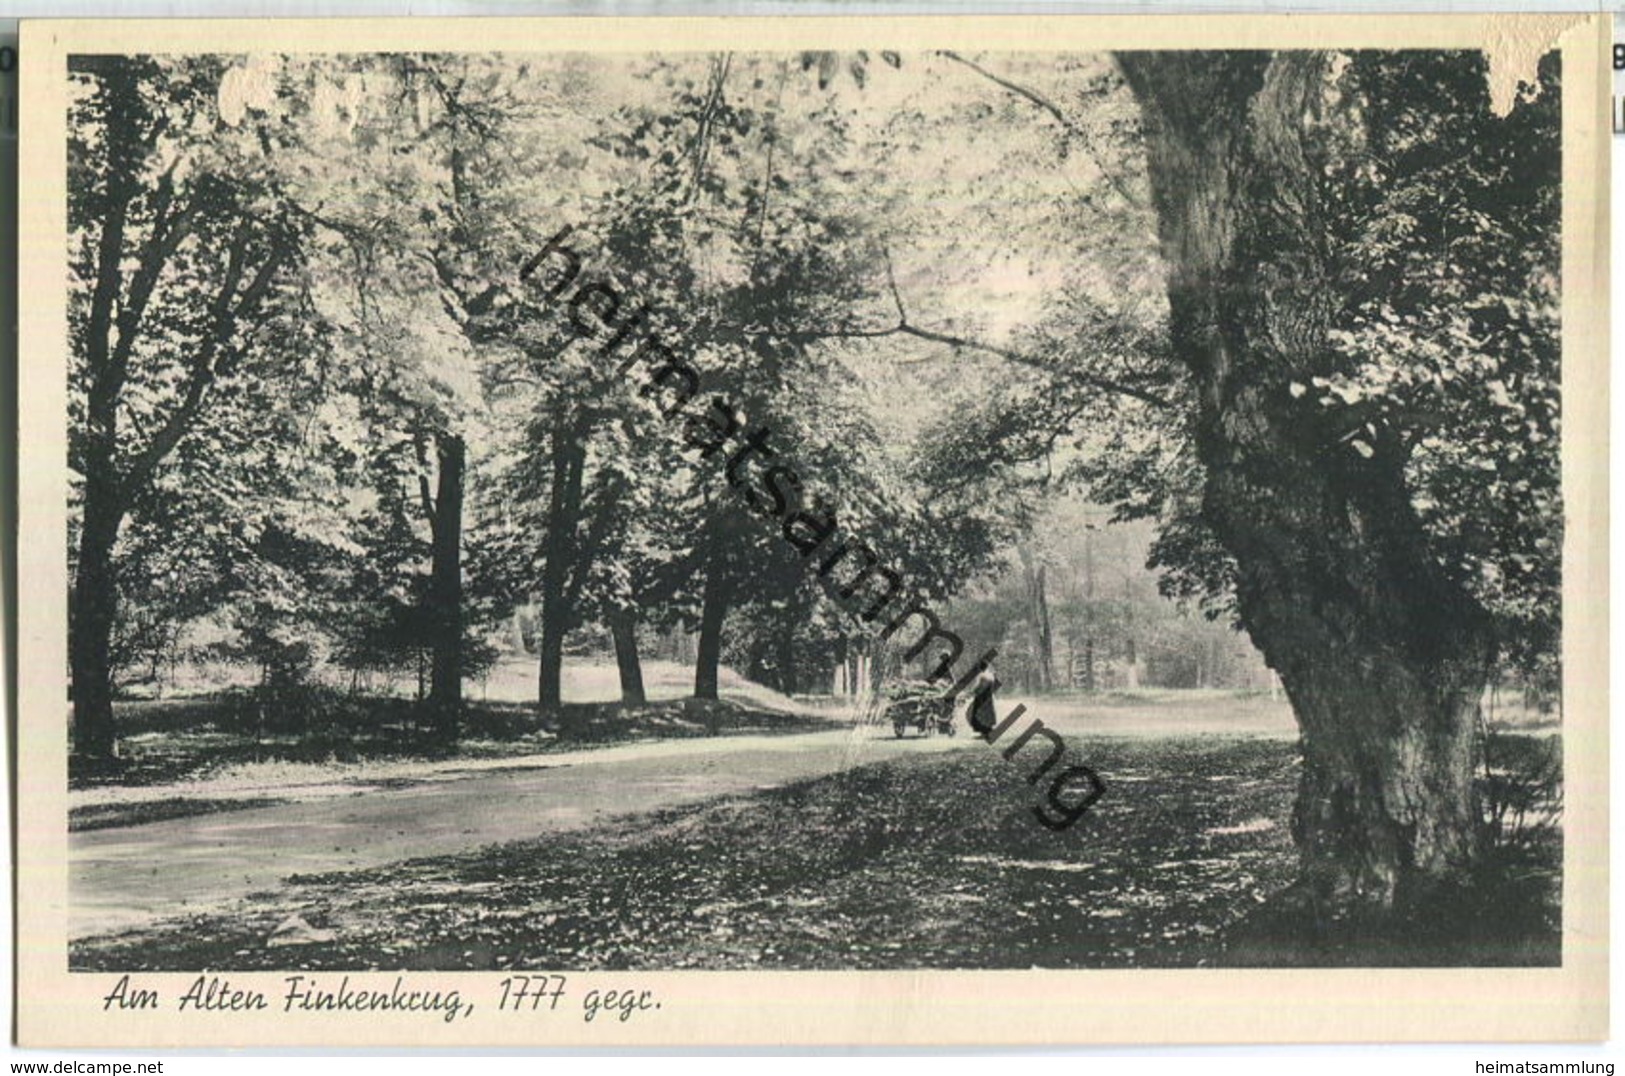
(124, 877)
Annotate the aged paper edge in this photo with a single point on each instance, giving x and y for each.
(58, 1008)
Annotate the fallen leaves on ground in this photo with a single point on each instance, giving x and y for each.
(933, 861)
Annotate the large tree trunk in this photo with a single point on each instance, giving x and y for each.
(1383, 657)
(563, 515)
(714, 603)
(94, 601)
(445, 597)
(623, 626)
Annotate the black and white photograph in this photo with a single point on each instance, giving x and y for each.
(546, 511)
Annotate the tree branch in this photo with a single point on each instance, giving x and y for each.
(700, 147)
(424, 493)
(1103, 383)
(427, 497)
(1060, 117)
(896, 296)
(102, 398)
(772, 136)
(353, 233)
(228, 307)
(904, 328)
(166, 235)
(597, 527)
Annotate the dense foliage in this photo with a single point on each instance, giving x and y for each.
(315, 292)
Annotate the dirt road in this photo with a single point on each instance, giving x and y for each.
(124, 877)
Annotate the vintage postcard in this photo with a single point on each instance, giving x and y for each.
(813, 531)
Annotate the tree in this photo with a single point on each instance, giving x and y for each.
(444, 601)
(1451, 215)
(1382, 650)
(1361, 271)
(181, 247)
(401, 154)
(715, 221)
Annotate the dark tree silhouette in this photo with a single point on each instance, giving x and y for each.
(1383, 656)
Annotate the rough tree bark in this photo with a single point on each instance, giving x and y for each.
(1045, 637)
(714, 602)
(558, 555)
(1383, 658)
(92, 605)
(445, 595)
(623, 627)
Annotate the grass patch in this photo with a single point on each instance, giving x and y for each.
(187, 740)
(115, 815)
